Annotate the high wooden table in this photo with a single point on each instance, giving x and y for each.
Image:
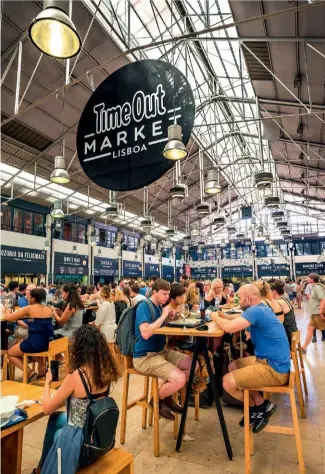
(200, 347)
(12, 437)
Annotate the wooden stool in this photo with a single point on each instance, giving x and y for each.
(116, 461)
(295, 338)
(58, 346)
(142, 402)
(249, 443)
(4, 355)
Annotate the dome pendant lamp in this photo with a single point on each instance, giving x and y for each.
(60, 175)
(53, 32)
(175, 148)
(57, 212)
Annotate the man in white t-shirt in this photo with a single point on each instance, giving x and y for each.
(135, 295)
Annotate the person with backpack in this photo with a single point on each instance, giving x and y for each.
(151, 357)
(316, 308)
(87, 429)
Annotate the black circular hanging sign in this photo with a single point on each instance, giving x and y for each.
(123, 128)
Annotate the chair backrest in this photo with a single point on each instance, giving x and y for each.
(296, 337)
(59, 345)
(292, 379)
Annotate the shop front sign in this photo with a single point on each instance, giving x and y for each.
(273, 270)
(67, 264)
(132, 269)
(123, 128)
(22, 260)
(151, 269)
(303, 269)
(238, 271)
(105, 266)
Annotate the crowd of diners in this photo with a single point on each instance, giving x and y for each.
(266, 318)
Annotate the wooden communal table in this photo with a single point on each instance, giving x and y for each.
(12, 437)
(200, 347)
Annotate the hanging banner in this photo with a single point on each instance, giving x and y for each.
(105, 266)
(273, 270)
(132, 269)
(240, 271)
(304, 269)
(67, 264)
(151, 269)
(168, 273)
(123, 127)
(22, 260)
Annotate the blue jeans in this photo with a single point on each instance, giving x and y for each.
(54, 427)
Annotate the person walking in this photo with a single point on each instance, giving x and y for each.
(316, 309)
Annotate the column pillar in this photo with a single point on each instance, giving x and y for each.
(49, 250)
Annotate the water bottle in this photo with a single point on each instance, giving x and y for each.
(216, 303)
(202, 308)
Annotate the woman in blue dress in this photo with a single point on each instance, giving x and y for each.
(38, 317)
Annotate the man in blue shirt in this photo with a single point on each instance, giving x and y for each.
(271, 364)
(150, 356)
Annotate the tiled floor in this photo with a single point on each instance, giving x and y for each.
(274, 454)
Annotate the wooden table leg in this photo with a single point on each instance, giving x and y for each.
(11, 453)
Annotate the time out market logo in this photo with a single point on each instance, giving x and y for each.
(123, 128)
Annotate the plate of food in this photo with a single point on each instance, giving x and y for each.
(187, 323)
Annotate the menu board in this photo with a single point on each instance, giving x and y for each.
(105, 266)
(168, 273)
(21, 260)
(67, 264)
(132, 269)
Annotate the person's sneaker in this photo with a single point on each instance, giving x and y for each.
(173, 405)
(164, 411)
(255, 413)
(314, 339)
(261, 423)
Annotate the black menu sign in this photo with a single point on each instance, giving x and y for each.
(22, 260)
(70, 264)
(123, 128)
(151, 269)
(310, 267)
(105, 266)
(132, 269)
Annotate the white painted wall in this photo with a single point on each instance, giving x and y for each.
(153, 259)
(16, 239)
(66, 247)
(106, 253)
(126, 255)
(168, 261)
(306, 258)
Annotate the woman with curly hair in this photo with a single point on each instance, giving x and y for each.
(91, 356)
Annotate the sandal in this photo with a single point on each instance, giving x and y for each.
(32, 377)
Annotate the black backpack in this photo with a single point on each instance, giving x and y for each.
(99, 428)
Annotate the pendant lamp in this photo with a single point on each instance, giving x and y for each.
(53, 32)
(212, 185)
(57, 212)
(175, 148)
(60, 175)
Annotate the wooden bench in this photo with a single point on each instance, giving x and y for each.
(117, 461)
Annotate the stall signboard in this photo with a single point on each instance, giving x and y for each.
(168, 273)
(132, 269)
(123, 127)
(22, 260)
(199, 273)
(273, 270)
(238, 271)
(151, 269)
(303, 269)
(105, 266)
(67, 264)
(179, 269)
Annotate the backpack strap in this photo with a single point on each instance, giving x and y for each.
(152, 309)
(84, 383)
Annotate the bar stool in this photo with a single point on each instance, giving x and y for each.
(249, 443)
(141, 402)
(296, 348)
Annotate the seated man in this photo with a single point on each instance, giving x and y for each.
(271, 364)
(150, 355)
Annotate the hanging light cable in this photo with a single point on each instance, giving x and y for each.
(53, 32)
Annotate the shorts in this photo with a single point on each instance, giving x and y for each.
(291, 297)
(161, 364)
(317, 322)
(254, 373)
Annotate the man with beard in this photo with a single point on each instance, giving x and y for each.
(271, 364)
